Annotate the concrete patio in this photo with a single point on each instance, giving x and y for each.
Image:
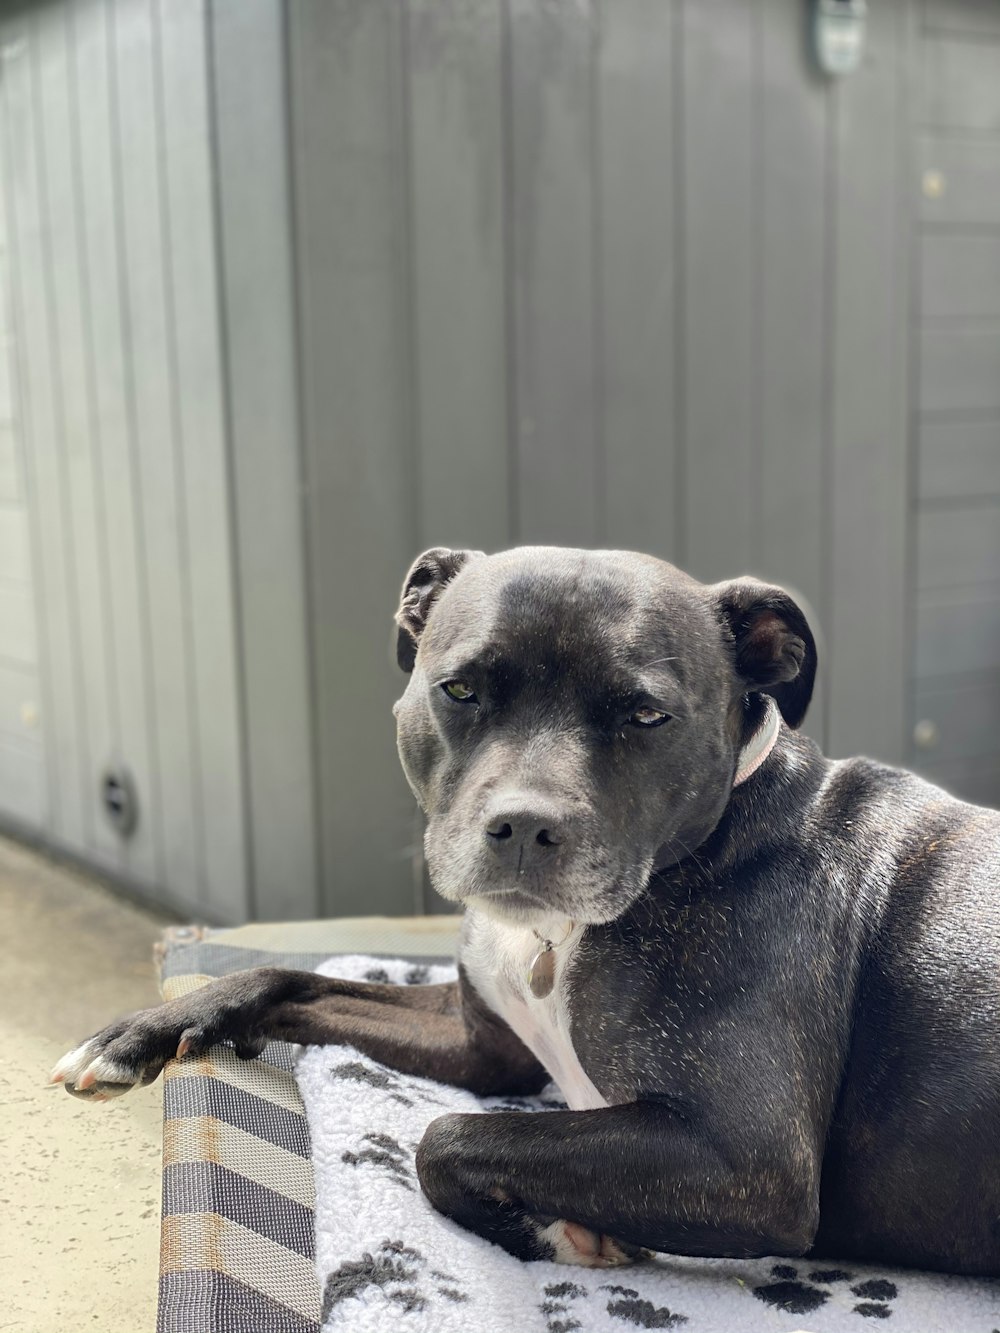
(79, 1226)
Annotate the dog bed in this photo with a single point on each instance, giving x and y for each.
(290, 1215)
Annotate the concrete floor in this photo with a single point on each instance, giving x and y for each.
(80, 1192)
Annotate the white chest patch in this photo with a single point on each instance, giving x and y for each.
(498, 958)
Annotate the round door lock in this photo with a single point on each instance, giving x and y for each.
(118, 796)
(925, 734)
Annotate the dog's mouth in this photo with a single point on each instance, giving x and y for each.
(592, 896)
(518, 907)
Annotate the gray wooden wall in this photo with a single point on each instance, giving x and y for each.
(120, 445)
(293, 290)
(955, 668)
(625, 273)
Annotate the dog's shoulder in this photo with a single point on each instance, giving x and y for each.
(931, 854)
(886, 797)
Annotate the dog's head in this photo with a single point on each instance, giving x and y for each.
(573, 718)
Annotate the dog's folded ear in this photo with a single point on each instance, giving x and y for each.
(429, 575)
(774, 646)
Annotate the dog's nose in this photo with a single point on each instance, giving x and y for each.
(524, 833)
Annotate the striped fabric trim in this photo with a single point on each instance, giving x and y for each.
(187, 1099)
(207, 1301)
(237, 1243)
(262, 1080)
(204, 1187)
(243, 1254)
(238, 1233)
(203, 1138)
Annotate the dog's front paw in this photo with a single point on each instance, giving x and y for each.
(573, 1244)
(134, 1050)
(110, 1063)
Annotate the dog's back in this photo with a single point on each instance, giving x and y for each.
(912, 1167)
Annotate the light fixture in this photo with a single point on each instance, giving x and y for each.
(839, 34)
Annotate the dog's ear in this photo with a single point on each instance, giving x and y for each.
(775, 648)
(429, 575)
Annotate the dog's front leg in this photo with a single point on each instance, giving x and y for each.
(594, 1187)
(441, 1031)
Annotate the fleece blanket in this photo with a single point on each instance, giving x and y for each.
(387, 1260)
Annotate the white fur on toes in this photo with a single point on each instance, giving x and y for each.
(87, 1073)
(574, 1244)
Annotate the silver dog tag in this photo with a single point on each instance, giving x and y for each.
(542, 973)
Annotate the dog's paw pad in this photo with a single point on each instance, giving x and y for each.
(575, 1244)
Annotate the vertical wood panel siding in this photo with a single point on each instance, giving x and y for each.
(790, 342)
(79, 443)
(109, 218)
(639, 272)
(44, 435)
(954, 573)
(720, 136)
(868, 463)
(185, 149)
(551, 123)
(253, 181)
(23, 790)
(457, 202)
(596, 273)
(352, 211)
(109, 369)
(155, 425)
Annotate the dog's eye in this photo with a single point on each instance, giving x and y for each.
(648, 717)
(460, 692)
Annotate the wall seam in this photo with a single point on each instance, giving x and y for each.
(410, 353)
(509, 270)
(831, 108)
(64, 501)
(86, 303)
(23, 436)
(597, 278)
(908, 343)
(195, 768)
(758, 283)
(303, 439)
(128, 375)
(225, 361)
(680, 542)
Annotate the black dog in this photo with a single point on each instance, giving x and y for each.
(768, 984)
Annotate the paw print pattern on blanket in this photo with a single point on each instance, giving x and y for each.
(417, 975)
(432, 1277)
(379, 1076)
(632, 1309)
(386, 1154)
(399, 1270)
(524, 1104)
(557, 1306)
(625, 1304)
(795, 1296)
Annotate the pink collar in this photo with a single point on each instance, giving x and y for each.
(760, 744)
